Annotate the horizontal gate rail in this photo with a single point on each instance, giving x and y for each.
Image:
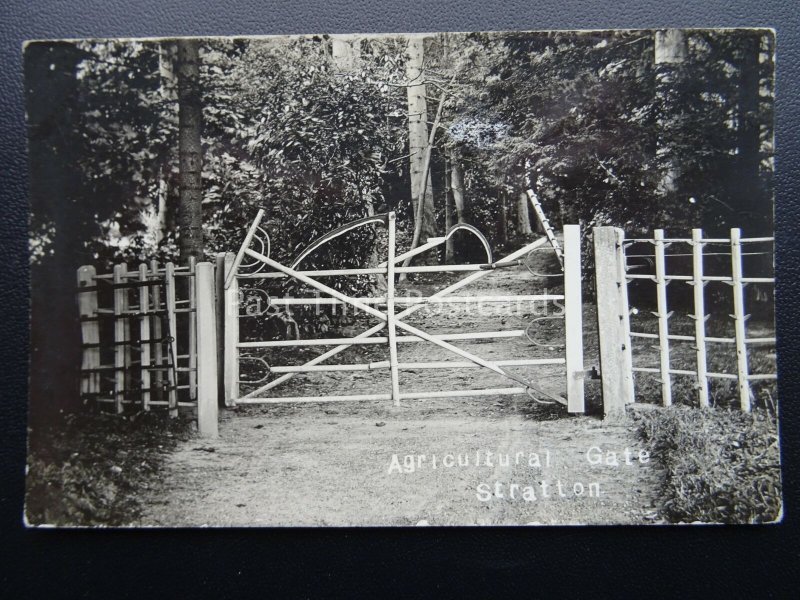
(381, 271)
(705, 278)
(382, 339)
(442, 364)
(419, 300)
(507, 391)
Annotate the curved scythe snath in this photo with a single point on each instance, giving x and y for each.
(382, 218)
(475, 231)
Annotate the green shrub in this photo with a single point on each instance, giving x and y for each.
(721, 466)
(92, 469)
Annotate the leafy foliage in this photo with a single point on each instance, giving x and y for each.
(587, 117)
(90, 469)
(720, 466)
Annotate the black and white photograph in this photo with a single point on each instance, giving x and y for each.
(426, 279)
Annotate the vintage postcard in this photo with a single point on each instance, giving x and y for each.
(487, 278)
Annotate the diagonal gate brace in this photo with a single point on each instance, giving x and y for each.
(405, 326)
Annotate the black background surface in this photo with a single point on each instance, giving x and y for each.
(593, 562)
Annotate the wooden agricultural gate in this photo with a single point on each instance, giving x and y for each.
(253, 262)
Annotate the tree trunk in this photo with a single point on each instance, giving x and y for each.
(457, 185)
(167, 83)
(190, 151)
(747, 128)
(670, 54)
(449, 220)
(455, 209)
(418, 140)
(523, 222)
(502, 221)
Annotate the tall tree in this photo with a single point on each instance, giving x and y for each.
(748, 138)
(190, 151)
(670, 51)
(455, 210)
(166, 73)
(418, 139)
(522, 223)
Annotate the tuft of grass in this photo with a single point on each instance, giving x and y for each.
(91, 469)
(720, 466)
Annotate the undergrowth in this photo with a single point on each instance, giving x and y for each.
(91, 469)
(721, 466)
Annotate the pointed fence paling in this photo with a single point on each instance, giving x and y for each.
(698, 280)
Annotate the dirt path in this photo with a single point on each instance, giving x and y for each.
(350, 464)
(334, 469)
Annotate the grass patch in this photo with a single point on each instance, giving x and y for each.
(91, 469)
(721, 466)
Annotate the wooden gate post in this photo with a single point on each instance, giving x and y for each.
(390, 316)
(206, 337)
(219, 276)
(231, 332)
(613, 319)
(573, 318)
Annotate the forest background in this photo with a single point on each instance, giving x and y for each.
(166, 148)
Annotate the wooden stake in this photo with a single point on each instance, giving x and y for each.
(663, 318)
(390, 321)
(121, 334)
(192, 329)
(231, 331)
(740, 318)
(172, 373)
(219, 297)
(156, 330)
(206, 351)
(90, 330)
(699, 317)
(573, 318)
(537, 207)
(144, 334)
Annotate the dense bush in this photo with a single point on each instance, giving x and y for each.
(720, 466)
(92, 469)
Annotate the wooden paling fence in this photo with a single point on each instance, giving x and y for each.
(149, 339)
(614, 273)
